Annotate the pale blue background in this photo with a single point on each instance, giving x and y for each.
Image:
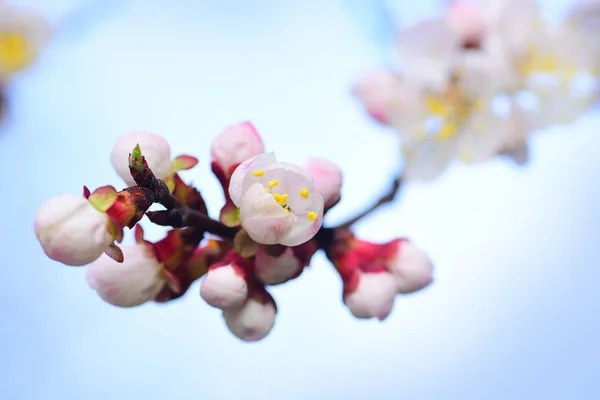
(513, 313)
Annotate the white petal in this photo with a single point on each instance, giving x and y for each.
(303, 228)
(238, 178)
(224, 288)
(428, 51)
(131, 283)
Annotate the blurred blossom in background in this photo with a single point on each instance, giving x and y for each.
(513, 310)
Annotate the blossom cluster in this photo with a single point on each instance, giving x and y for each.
(477, 80)
(269, 228)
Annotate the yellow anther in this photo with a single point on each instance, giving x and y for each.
(274, 182)
(281, 199)
(15, 51)
(312, 216)
(287, 210)
(268, 190)
(304, 193)
(260, 172)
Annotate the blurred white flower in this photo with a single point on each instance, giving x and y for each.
(23, 34)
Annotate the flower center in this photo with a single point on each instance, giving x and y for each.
(14, 51)
(282, 198)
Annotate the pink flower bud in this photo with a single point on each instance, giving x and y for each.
(274, 270)
(373, 297)
(468, 20)
(138, 279)
(254, 319)
(154, 147)
(71, 230)
(235, 145)
(327, 180)
(412, 268)
(224, 286)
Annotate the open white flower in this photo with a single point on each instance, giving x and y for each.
(277, 201)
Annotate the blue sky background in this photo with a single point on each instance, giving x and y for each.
(513, 312)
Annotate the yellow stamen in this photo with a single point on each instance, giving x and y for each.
(15, 51)
(281, 199)
(260, 172)
(268, 190)
(312, 216)
(304, 193)
(287, 210)
(274, 182)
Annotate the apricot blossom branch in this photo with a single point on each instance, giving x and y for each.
(269, 228)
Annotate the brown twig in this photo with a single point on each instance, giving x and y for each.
(177, 215)
(385, 199)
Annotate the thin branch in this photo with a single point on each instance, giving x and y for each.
(177, 214)
(385, 199)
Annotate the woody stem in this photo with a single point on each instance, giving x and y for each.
(388, 197)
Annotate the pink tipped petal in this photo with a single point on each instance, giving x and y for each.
(155, 149)
(411, 267)
(135, 281)
(71, 230)
(224, 288)
(268, 230)
(251, 322)
(373, 297)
